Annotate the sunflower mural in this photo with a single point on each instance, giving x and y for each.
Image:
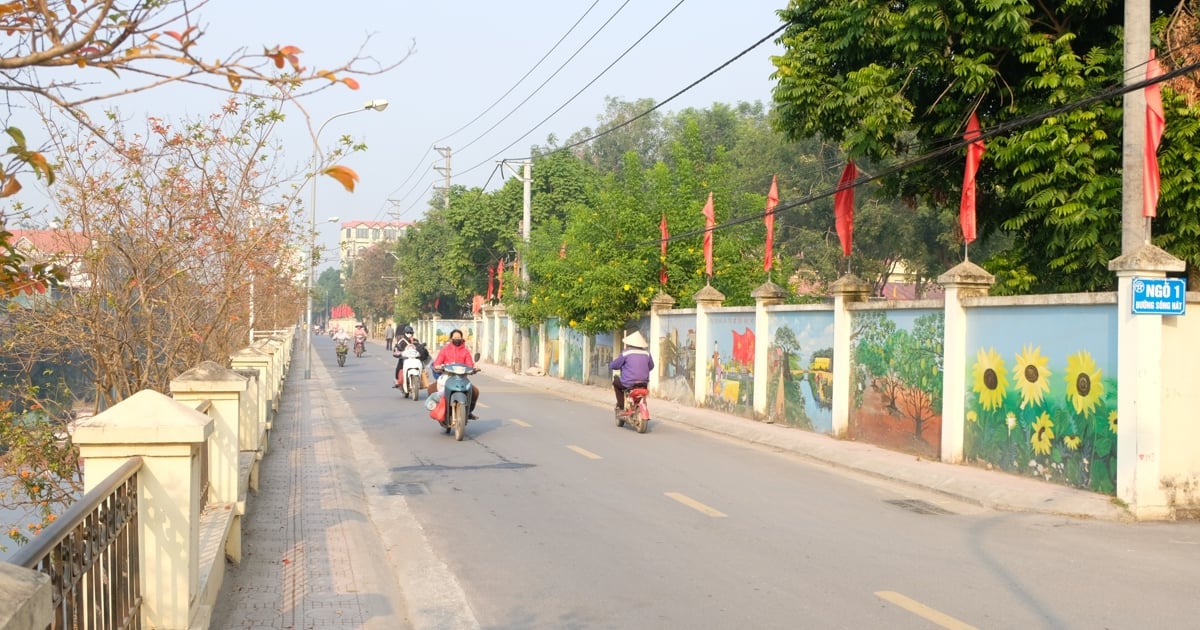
(1058, 428)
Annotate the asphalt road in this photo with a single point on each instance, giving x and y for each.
(548, 516)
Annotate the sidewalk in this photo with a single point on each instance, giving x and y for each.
(991, 489)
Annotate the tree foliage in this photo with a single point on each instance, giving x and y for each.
(893, 81)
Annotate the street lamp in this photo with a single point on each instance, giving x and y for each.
(377, 105)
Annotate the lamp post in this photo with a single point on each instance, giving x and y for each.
(377, 105)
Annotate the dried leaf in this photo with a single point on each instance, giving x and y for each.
(344, 175)
(350, 83)
(235, 81)
(12, 187)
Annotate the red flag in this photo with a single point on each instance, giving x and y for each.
(491, 282)
(709, 221)
(500, 279)
(476, 304)
(1156, 122)
(662, 228)
(772, 201)
(843, 207)
(966, 210)
(437, 302)
(562, 251)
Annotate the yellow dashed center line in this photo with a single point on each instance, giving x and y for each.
(695, 505)
(520, 423)
(583, 451)
(921, 610)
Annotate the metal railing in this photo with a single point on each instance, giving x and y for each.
(91, 556)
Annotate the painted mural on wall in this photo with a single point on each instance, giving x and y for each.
(502, 340)
(553, 347)
(600, 356)
(572, 342)
(443, 329)
(676, 360)
(896, 379)
(730, 386)
(1042, 393)
(800, 369)
(535, 347)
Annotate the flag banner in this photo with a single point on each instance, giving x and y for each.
(491, 283)
(662, 257)
(975, 150)
(500, 279)
(709, 221)
(772, 201)
(1156, 123)
(843, 207)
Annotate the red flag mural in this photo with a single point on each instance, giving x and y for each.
(491, 283)
(1156, 123)
(662, 229)
(975, 150)
(772, 201)
(843, 207)
(743, 348)
(500, 279)
(709, 221)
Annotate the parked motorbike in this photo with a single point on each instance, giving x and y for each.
(341, 350)
(410, 371)
(637, 410)
(454, 389)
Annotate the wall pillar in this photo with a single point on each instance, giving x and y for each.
(846, 290)
(965, 280)
(1139, 386)
(252, 359)
(543, 358)
(561, 344)
(765, 296)
(706, 298)
(168, 436)
(659, 305)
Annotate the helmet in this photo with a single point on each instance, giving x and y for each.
(408, 330)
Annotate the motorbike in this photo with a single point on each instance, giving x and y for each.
(410, 371)
(360, 346)
(455, 388)
(341, 350)
(637, 410)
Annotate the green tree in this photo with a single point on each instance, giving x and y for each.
(918, 68)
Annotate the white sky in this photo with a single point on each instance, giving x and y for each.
(467, 55)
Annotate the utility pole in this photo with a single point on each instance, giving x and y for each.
(1135, 230)
(445, 171)
(526, 176)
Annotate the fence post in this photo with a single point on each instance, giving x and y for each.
(659, 304)
(846, 290)
(963, 281)
(26, 598)
(1139, 393)
(706, 298)
(168, 436)
(767, 294)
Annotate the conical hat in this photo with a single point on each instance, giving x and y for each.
(635, 339)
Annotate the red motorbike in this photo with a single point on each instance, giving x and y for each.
(636, 411)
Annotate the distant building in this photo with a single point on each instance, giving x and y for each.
(61, 247)
(357, 236)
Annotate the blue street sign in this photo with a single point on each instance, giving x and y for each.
(1159, 296)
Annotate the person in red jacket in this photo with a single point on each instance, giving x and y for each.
(457, 352)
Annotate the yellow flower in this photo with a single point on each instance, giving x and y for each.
(990, 380)
(972, 416)
(1031, 376)
(627, 287)
(1084, 388)
(1072, 442)
(1043, 432)
(1112, 421)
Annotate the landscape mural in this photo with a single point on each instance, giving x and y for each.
(896, 379)
(553, 345)
(677, 356)
(1042, 393)
(731, 363)
(800, 370)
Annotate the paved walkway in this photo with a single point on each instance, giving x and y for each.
(311, 549)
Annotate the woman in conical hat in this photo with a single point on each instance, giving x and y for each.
(634, 364)
(636, 340)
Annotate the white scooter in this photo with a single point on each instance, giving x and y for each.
(410, 372)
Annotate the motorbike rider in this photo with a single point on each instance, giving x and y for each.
(457, 352)
(408, 338)
(634, 364)
(360, 336)
(340, 337)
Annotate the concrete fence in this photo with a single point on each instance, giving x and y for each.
(200, 449)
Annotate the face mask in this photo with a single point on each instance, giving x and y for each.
(457, 342)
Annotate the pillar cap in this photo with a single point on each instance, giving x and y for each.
(209, 376)
(146, 417)
(661, 301)
(967, 274)
(768, 291)
(1147, 257)
(850, 285)
(708, 296)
